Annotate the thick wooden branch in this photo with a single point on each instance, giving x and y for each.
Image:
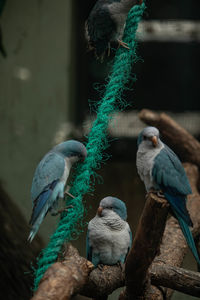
(184, 281)
(183, 143)
(65, 278)
(145, 246)
(103, 282)
(111, 278)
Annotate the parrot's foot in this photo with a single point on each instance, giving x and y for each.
(157, 193)
(62, 210)
(100, 267)
(67, 192)
(125, 45)
(160, 194)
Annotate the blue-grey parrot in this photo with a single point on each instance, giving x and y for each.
(109, 236)
(161, 170)
(106, 23)
(50, 178)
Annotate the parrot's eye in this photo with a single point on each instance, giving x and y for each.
(144, 137)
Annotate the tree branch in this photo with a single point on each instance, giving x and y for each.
(64, 278)
(111, 278)
(105, 281)
(145, 245)
(184, 281)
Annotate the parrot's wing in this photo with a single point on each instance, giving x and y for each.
(130, 244)
(49, 170)
(171, 178)
(169, 173)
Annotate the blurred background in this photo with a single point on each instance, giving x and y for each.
(49, 84)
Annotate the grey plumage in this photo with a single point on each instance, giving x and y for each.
(146, 155)
(106, 24)
(109, 235)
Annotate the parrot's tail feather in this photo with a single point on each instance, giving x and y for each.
(31, 235)
(178, 205)
(38, 222)
(45, 202)
(188, 236)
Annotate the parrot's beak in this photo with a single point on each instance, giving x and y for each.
(154, 140)
(99, 211)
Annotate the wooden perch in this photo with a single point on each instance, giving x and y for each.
(184, 281)
(65, 278)
(145, 245)
(111, 278)
(183, 143)
(105, 281)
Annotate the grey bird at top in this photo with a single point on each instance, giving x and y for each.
(105, 25)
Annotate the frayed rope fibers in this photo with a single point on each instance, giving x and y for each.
(97, 143)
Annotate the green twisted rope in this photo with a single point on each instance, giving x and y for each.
(97, 143)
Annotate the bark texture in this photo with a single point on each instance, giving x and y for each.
(184, 281)
(145, 246)
(64, 278)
